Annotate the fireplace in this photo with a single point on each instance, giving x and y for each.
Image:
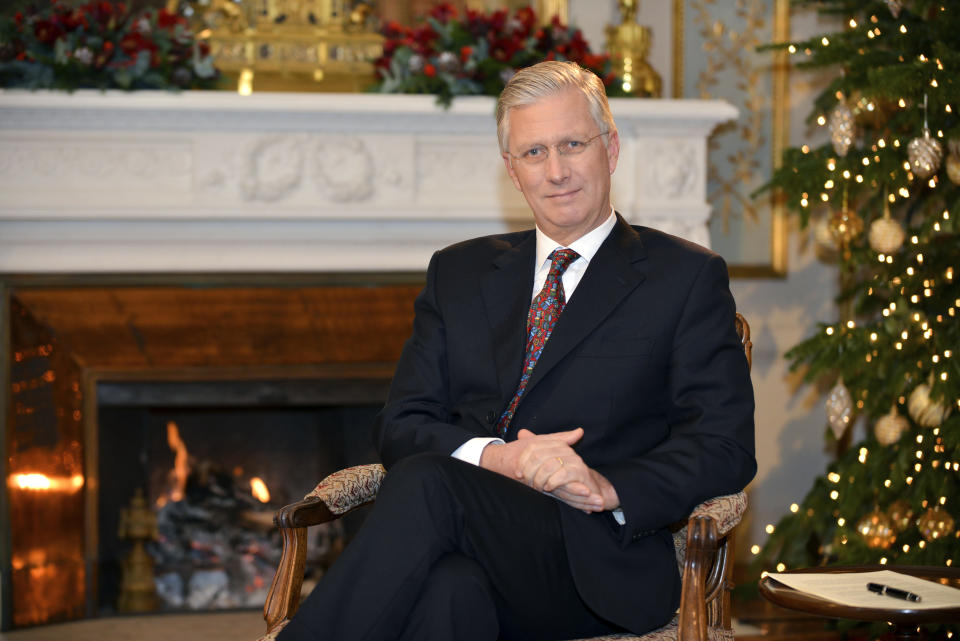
(116, 386)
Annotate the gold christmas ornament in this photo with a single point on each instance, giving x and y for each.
(876, 530)
(871, 112)
(923, 410)
(925, 152)
(895, 6)
(845, 225)
(900, 514)
(822, 233)
(842, 128)
(935, 523)
(839, 408)
(885, 235)
(953, 161)
(890, 427)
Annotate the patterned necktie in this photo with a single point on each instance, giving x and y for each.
(544, 310)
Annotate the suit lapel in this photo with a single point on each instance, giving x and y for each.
(507, 290)
(610, 277)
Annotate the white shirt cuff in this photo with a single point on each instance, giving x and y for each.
(618, 515)
(471, 450)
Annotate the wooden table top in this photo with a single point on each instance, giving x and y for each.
(788, 597)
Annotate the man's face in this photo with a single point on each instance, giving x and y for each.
(569, 194)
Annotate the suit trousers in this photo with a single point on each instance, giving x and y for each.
(450, 552)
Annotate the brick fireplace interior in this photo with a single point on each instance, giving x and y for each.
(188, 392)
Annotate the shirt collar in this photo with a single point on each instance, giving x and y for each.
(587, 245)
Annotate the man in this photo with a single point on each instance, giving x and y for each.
(567, 394)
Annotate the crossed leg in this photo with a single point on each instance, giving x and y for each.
(450, 551)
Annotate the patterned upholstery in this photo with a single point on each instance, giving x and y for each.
(666, 633)
(344, 490)
(726, 510)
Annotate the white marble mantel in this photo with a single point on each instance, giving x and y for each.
(215, 182)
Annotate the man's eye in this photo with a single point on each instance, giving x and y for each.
(534, 152)
(571, 145)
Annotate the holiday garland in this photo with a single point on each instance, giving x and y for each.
(448, 56)
(101, 45)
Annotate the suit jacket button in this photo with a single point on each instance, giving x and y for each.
(491, 417)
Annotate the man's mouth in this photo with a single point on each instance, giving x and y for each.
(565, 194)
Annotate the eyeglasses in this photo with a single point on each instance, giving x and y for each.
(539, 153)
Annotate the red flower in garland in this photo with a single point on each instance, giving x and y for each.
(46, 31)
(444, 12)
(429, 70)
(168, 20)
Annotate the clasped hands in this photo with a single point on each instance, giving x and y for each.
(548, 463)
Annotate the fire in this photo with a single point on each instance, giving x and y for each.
(259, 489)
(180, 462)
(41, 482)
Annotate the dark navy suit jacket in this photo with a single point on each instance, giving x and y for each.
(645, 357)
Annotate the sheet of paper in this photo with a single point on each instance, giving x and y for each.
(850, 588)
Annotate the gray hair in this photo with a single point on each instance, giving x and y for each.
(547, 78)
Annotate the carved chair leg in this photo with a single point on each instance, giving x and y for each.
(701, 546)
(284, 596)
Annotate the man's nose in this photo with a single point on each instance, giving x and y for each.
(557, 168)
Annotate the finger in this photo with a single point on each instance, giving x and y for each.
(524, 433)
(592, 503)
(551, 474)
(570, 436)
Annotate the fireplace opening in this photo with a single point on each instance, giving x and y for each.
(213, 462)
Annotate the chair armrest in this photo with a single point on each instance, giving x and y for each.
(726, 510)
(702, 543)
(333, 497)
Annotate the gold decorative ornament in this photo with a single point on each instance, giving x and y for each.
(876, 530)
(953, 162)
(924, 410)
(288, 45)
(822, 233)
(842, 128)
(628, 45)
(845, 225)
(925, 152)
(839, 406)
(138, 591)
(890, 427)
(935, 523)
(886, 234)
(900, 514)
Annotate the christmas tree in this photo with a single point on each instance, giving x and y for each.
(884, 191)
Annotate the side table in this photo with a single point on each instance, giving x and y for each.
(904, 620)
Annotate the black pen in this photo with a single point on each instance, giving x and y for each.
(894, 592)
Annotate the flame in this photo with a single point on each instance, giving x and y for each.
(259, 489)
(42, 483)
(180, 465)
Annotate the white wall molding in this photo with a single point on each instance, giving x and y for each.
(212, 181)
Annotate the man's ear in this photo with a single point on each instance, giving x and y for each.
(613, 149)
(513, 174)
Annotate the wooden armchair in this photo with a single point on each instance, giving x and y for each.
(703, 545)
